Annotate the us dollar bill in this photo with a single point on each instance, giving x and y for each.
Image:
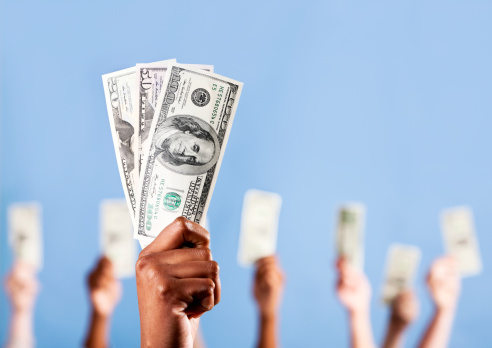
(25, 233)
(121, 95)
(116, 235)
(401, 268)
(150, 80)
(259, 226)
(188, 138)
(205, 223)
(350, 233)
(460, 239)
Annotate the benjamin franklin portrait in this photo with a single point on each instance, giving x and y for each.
(186, 145)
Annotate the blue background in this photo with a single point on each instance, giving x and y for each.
(383, 102)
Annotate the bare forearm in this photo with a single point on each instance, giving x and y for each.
(97, 336)
(268, 332)
(439, 330)
(21, 330)
(361, 330)
(394, 335)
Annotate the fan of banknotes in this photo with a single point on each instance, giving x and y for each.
(170, 123)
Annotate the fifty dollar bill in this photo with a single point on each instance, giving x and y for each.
(121, 94)
(188, 137)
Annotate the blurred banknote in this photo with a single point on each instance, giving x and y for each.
(401, 268)
(117, 236)
(121, 93)
(259, 226)
(150, 80)
(25, 233)
(460, 239)
(350, 233)
(187, 141)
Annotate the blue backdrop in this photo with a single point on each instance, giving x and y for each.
(382, 102)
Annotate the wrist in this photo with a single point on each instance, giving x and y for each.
(268, 314)
(445, 310)
(22, 312)
(100, 315)
(359, 313)
(171, 330)
(268, 317)
(397, 325)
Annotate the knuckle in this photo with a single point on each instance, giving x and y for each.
(214, 268)
(141, 265)
(207, 254)
(165, 289)
(181, 222)
(209, 286)
(147, 269)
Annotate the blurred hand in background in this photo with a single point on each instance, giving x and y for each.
(267, 290)
(104, 293)
(404, 311)
(22, 288)
(444, 283)
(354, 292)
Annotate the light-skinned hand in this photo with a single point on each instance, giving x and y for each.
(353, 288)
(444, 283)
(22, 287)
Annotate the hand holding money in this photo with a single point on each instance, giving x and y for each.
(22, 287)
(177, 282)
(444, 283)
(354, 291)
(404, 309)
(353, 288)
(104, 289)
(268, 286)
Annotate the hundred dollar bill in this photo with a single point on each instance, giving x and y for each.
(150, 80)
(25, 233)
(188, 137)
(205, 223)
(259, 226)
(121, 94)
(117, 236)
(401, 268)
(350, 234)
(460, 239)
